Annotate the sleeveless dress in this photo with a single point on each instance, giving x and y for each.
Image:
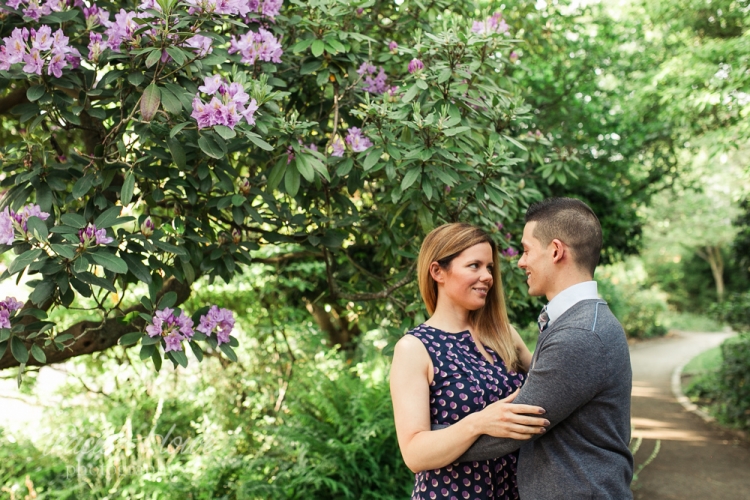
(465, 382)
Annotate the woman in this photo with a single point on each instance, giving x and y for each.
(456, 368)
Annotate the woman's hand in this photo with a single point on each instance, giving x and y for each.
(507, 420)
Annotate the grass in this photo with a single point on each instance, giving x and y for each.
(691, 322)
(706, 362)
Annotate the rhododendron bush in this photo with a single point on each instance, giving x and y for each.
(157, 143)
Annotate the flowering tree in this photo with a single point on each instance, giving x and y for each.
(152, 144)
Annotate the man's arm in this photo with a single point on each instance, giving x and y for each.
(569, 371)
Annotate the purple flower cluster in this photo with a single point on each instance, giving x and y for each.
(11, 221)
(509, 252)
(356, 141)
(7, 308)
(253, 46)
(268, 8)
(174, 329)
(338, 146)
(374, 85)
(90, 236)
(415, 65)
(393, 47)
(220, 320)
(36, 9)
(227, 107)
(37, 48)
(513, 56)
(493, 24)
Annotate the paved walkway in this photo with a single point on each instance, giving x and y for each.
(697, 460)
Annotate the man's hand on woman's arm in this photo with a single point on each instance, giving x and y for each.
(423, 449)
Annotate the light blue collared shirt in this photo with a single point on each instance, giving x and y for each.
(570, 297)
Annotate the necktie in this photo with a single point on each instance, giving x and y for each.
(543, 320)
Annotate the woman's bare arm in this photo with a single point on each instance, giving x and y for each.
(523, 351)
(423, 449)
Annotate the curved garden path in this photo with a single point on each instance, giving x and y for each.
(697, 460)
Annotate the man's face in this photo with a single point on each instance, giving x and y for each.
(536, 261)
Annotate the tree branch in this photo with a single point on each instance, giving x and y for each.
(337, 293)
(17, 96)
(95, 336)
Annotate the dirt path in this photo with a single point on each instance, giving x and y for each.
(697, 460)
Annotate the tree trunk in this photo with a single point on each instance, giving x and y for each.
(712, 255)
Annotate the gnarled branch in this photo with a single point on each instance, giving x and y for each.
(95, 336)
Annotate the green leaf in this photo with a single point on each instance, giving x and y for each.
(372, 158)
(35, 93)
(304, 168)
(229, 352)
(456, 130)
(156, 358)
(411, 93)
(128, 187)
(150, 102)
(148, 340)
(411, 176)
(38, 353)
(170, 248)
(179, 357)
(153, 57)
(292, 180)
(42, 292)
(19, 350)
(197, 351)
(136, 78)
(67, 251)
(136, 267)
(167, 300)
(110, 262)
(318, 46)
(130, 338)
(238, 200)
(73, 220)
(171, 103)
(38, 228)
(91, 279)
(24, 260)
(225, 132)
(146, 351)
(178, 154)
(177, 128)
(210, 146)
(255, 139)
(82, 186)
(177, 54)
(277, 173)
(108, 217)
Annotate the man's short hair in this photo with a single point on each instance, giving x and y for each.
(572, 222)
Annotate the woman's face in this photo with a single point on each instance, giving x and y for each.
(468, 279)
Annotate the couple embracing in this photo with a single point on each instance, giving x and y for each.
(464, 426)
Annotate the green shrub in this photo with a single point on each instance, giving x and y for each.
(339, 442)
(639, 310)
(726, 391)
(734, 310)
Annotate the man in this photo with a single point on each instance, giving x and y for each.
(580, 372)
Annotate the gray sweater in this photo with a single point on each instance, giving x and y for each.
(581, 375)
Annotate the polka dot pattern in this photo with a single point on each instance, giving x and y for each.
(465, 382)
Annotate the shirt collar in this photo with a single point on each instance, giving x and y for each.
(570, 297)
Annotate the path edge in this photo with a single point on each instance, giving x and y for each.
(683, 400)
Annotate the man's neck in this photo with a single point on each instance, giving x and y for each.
(566, 282)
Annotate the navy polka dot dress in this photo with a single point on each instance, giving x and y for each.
(465, 382)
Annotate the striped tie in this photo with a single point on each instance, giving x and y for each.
(543, 320)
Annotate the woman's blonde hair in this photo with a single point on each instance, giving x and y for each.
(490, 323)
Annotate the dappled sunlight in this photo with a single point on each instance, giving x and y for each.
(647, 391)
(647, 428)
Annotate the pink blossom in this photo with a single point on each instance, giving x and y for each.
(221, 320)
(95, 46)
(7, 308)
(513, 57)
(393, 47)
(201, 44)
(34, 62)
(211, 84)
(173, 341)
(509, 252)
(356, 141)
(41, 39)
(337, 146)
(253, 46)
(90, 236)
(56, 64)
(271, 8)
(415, 65)
(493, 24)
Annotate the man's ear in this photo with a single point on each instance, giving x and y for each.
(437, 273)
(559, 250)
